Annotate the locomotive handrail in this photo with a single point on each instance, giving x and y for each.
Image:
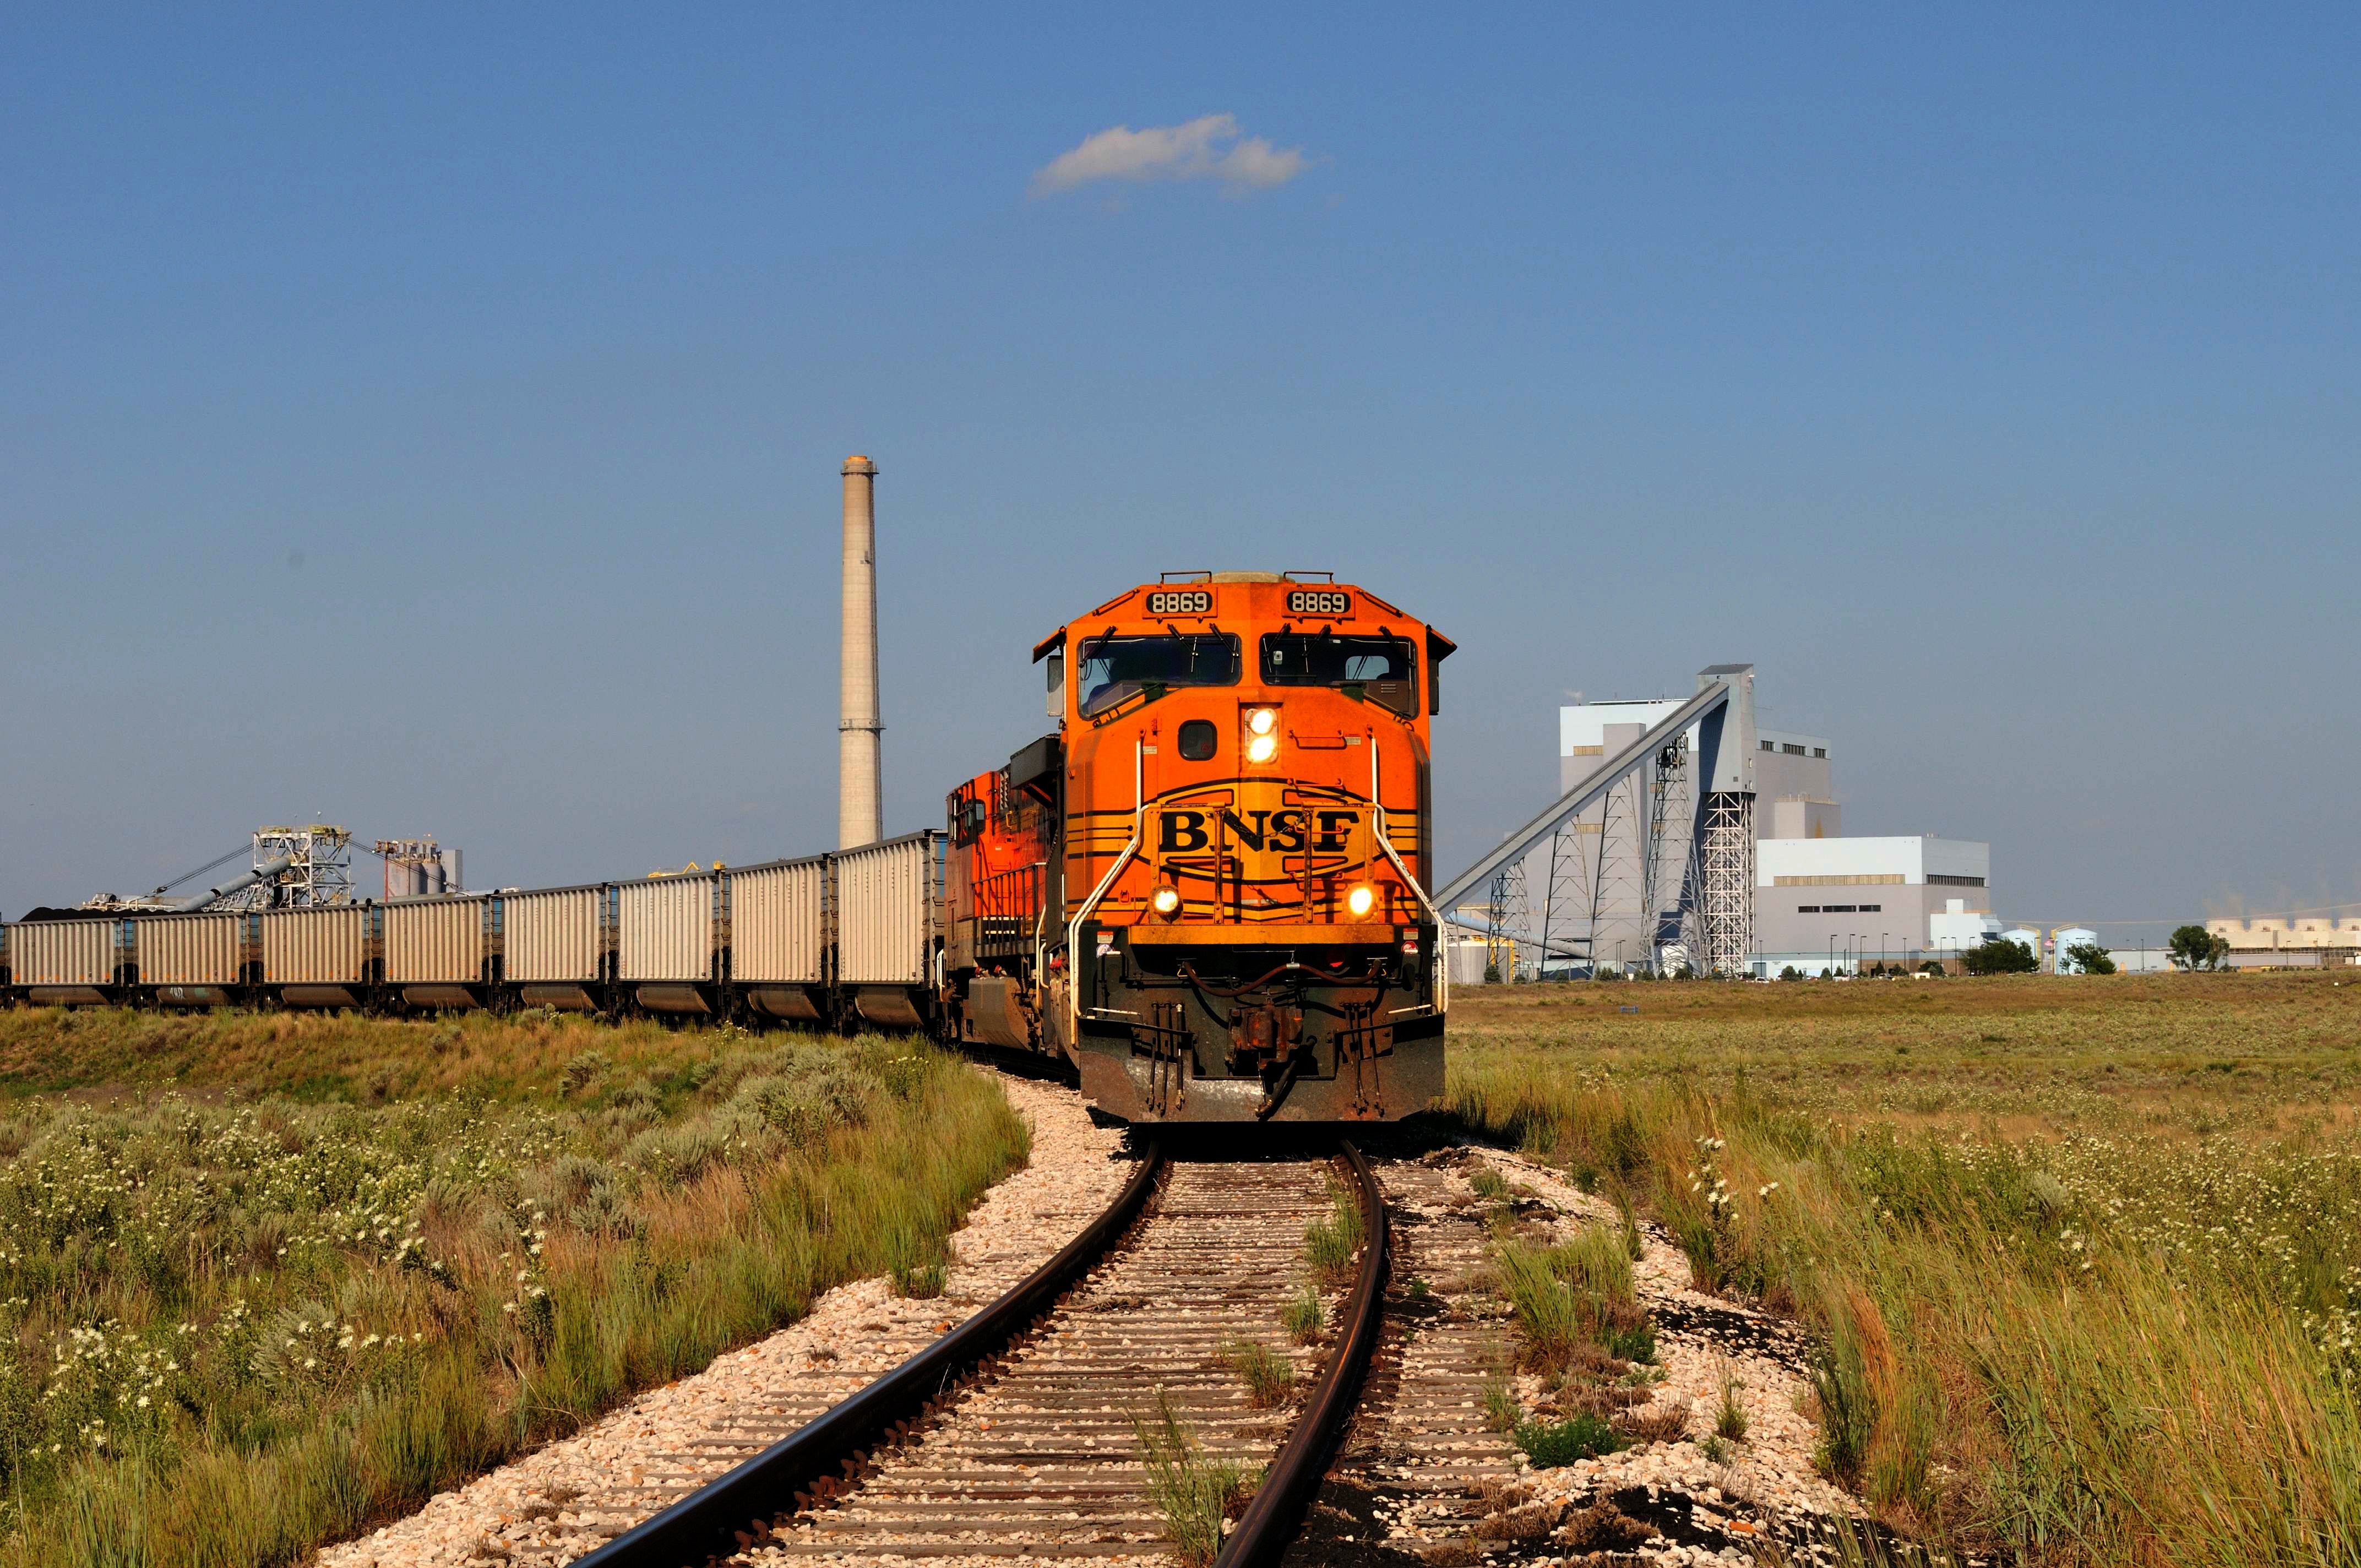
(994, 899)
(1130, 848)
(1442, 952)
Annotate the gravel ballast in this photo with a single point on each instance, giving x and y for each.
(1765, 1494)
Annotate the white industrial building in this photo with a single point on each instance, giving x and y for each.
(1954, 929)
(2291, 943)
(1601, 886)
(1845, 904)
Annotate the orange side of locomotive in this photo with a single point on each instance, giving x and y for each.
(1205, 892)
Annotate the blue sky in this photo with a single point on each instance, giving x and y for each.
(431, 421)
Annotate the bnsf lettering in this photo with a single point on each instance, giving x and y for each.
(1249, 831)
(1183, 831)
(1193, 601)
(1279, 832)
(1310, 601)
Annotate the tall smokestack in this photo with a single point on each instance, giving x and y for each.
(859, 806)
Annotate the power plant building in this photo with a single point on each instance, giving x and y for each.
(1617, 882)
(1822, 900)
(1846, 903)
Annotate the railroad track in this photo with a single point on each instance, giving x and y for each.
(1013, 1436)
(1411, 1472)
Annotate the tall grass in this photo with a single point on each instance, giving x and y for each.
(2129, 1345)
(1304, 1315)
(1270, 1376)
(239, 1327)
(1574, 1297)
(1330, 1244)
(1193, 1492)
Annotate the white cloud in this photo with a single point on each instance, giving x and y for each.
(1204, 149)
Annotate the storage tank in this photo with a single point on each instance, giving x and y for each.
(2063, 941)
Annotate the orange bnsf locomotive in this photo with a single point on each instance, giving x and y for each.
(1206, 891)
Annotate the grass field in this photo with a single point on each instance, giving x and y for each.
(2085, 1253)
(268, 1279)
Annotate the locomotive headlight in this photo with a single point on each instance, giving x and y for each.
(1262, 721)
(1165, 899)
(1362, 899)
(1261, 748)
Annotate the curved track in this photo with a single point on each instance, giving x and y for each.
(1035, 1454)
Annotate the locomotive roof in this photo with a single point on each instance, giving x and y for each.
(1442, 647)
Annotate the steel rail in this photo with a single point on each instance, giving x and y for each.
(706, 1522)
(1270, 1522)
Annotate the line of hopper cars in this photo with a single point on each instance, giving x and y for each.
(846, 938)
(1203, 894)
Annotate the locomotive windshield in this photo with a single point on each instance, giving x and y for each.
(1113, 668)
(1384, 668)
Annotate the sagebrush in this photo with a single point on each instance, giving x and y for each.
(239, 1324)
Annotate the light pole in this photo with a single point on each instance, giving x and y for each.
(1832, 953)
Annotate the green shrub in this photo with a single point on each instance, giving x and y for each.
(1577, 1294)
(1627, 1226)
(1630, 1341)
(2001, 956)
(1847, 1409)
(586, 1068)
(1596, 1263)
(1553, 1443)
(1501, 1413)
(1551, 1320)
(918, 1282)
